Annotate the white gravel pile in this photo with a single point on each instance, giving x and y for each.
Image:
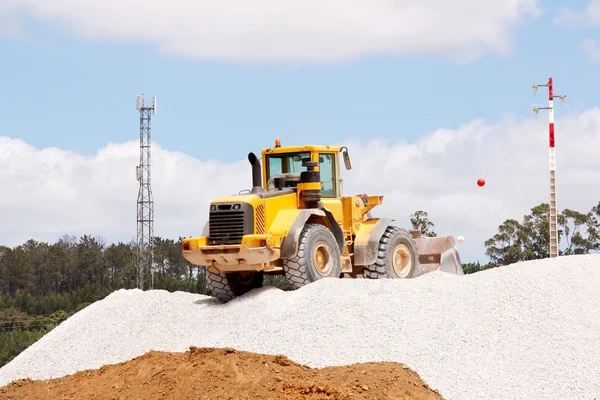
(526, 331)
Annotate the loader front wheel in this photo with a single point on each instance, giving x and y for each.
(226, 287)
(397, 258)
(318, 257)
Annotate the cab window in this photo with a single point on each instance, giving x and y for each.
(327, 168)
(286, 163)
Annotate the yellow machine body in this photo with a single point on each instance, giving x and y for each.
(255, 231)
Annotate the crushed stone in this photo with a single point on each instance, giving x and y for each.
(530, 330)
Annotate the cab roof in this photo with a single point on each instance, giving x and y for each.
(298, 149)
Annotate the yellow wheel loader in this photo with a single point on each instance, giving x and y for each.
(296, 222)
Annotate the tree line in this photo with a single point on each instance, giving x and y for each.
(42, 284)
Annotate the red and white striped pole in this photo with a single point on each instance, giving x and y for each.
(552, 153)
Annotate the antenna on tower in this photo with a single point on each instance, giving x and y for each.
(145, 203)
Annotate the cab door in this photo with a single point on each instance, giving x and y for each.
(328, 169)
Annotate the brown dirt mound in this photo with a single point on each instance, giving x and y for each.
(210, 374)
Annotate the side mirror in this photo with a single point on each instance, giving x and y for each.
(347, 159)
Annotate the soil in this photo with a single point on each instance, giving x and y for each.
(210, 374)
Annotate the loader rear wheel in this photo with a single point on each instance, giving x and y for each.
(397, 258)
(226, 287)
(318, 257)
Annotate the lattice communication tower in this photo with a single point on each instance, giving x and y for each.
(145, 203)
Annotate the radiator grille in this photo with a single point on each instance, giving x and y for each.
(226, 227)
(261, 221)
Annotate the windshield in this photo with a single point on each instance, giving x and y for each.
(292, 163)
(285, 163)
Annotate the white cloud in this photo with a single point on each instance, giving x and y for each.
(51, 192)
(587, 18)
(289, 31)
(591, 49)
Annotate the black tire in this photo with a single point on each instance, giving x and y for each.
(226, 287)
(315, 239)
(383, 267)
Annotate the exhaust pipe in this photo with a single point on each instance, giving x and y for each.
(256, 174)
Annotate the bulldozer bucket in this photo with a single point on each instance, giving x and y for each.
(437, 253)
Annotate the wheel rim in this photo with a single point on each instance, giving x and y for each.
(323, 259)
(245, 277)
(402, 260)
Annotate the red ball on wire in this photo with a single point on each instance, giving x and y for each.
(480, 182)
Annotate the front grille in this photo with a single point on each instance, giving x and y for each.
(228, 226)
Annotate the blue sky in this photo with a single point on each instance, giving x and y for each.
(71, 76)
(60, 90)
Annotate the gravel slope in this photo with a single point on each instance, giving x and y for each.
(527, 331)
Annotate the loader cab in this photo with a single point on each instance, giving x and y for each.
(288, 161)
